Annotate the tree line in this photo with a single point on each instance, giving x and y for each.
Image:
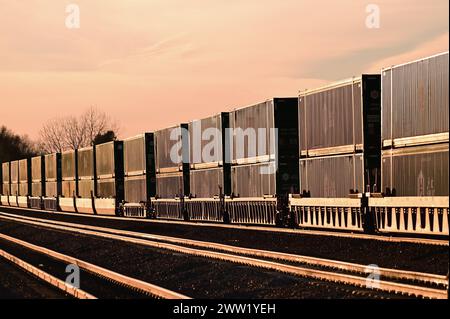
(60, 134)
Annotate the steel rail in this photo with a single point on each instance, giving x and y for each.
(322, 262)
(46, 277)
(384, 237)
(358, 281)
(100, 271)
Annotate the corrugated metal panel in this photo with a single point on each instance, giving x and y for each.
(85, 187)
(51, 166)
(36, 169)
(415, 98)
(169, 186)
(36, 189)
(249, 181)
(105, 159)
(86, 162)
(417, 171)
(106, 188)
(5, 172)
(68, 188)
(6, 189)
(134, 154)
(332, 176)
(250, 119)
(14, 171)
(23, 170)
(206, 137)
(205, 182)
(51, 189)
(338, 110)
(136, 189)
(68, 166)
(164, 145)
(23, 189)
(14, 189)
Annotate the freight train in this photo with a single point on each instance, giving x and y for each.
(367, 154)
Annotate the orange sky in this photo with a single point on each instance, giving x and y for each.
(154, 63)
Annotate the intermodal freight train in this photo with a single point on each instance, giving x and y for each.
(366, 154)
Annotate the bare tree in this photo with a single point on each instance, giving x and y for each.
(72, 133)
(52, 137)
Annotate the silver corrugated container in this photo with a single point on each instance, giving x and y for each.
(37, 176)
(86, 162)
(51, 166)
(14, 172)
(109, 166)
(205, 182)
(166, 142)
(53, 175)
(24, 175)
(68, 188)
(339, 108)
(415, 98)
(6, 179)
(416, 171)
(332, 176)
(251, 181)
(86, 172)
(206, 136)
(258, 119)
(169, 185)
(248, 180)
(139, 168)
(68, 165)
(105, 159)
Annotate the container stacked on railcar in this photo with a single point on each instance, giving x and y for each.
(69, 182)
(340, 129)
(264, 159)
(415, 144)
(53, 181)
(140, 175)
(6, 184)
(334, 123)
(172, 171)
(14, 183)
(86, 180)
(37, 182)
(24, 182)
(415, 128)
(109, 178)
(210, 172)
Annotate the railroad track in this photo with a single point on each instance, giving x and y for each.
(383, 238)
(113, 279)
(392, 280)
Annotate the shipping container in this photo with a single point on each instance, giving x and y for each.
(139, 168)
(86, 172)
(38, 176)
(14, 173)
(109, 167)
(69, 173)
(6, 179)
(172, 161)
(53, 175)
(332, 176)
(415, 99)
(209, 170)
(416, 171)
(265, 148)
(24, 177)
(170, 185)
(349, 113)
(207, 183)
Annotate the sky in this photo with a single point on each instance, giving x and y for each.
(151, 64)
